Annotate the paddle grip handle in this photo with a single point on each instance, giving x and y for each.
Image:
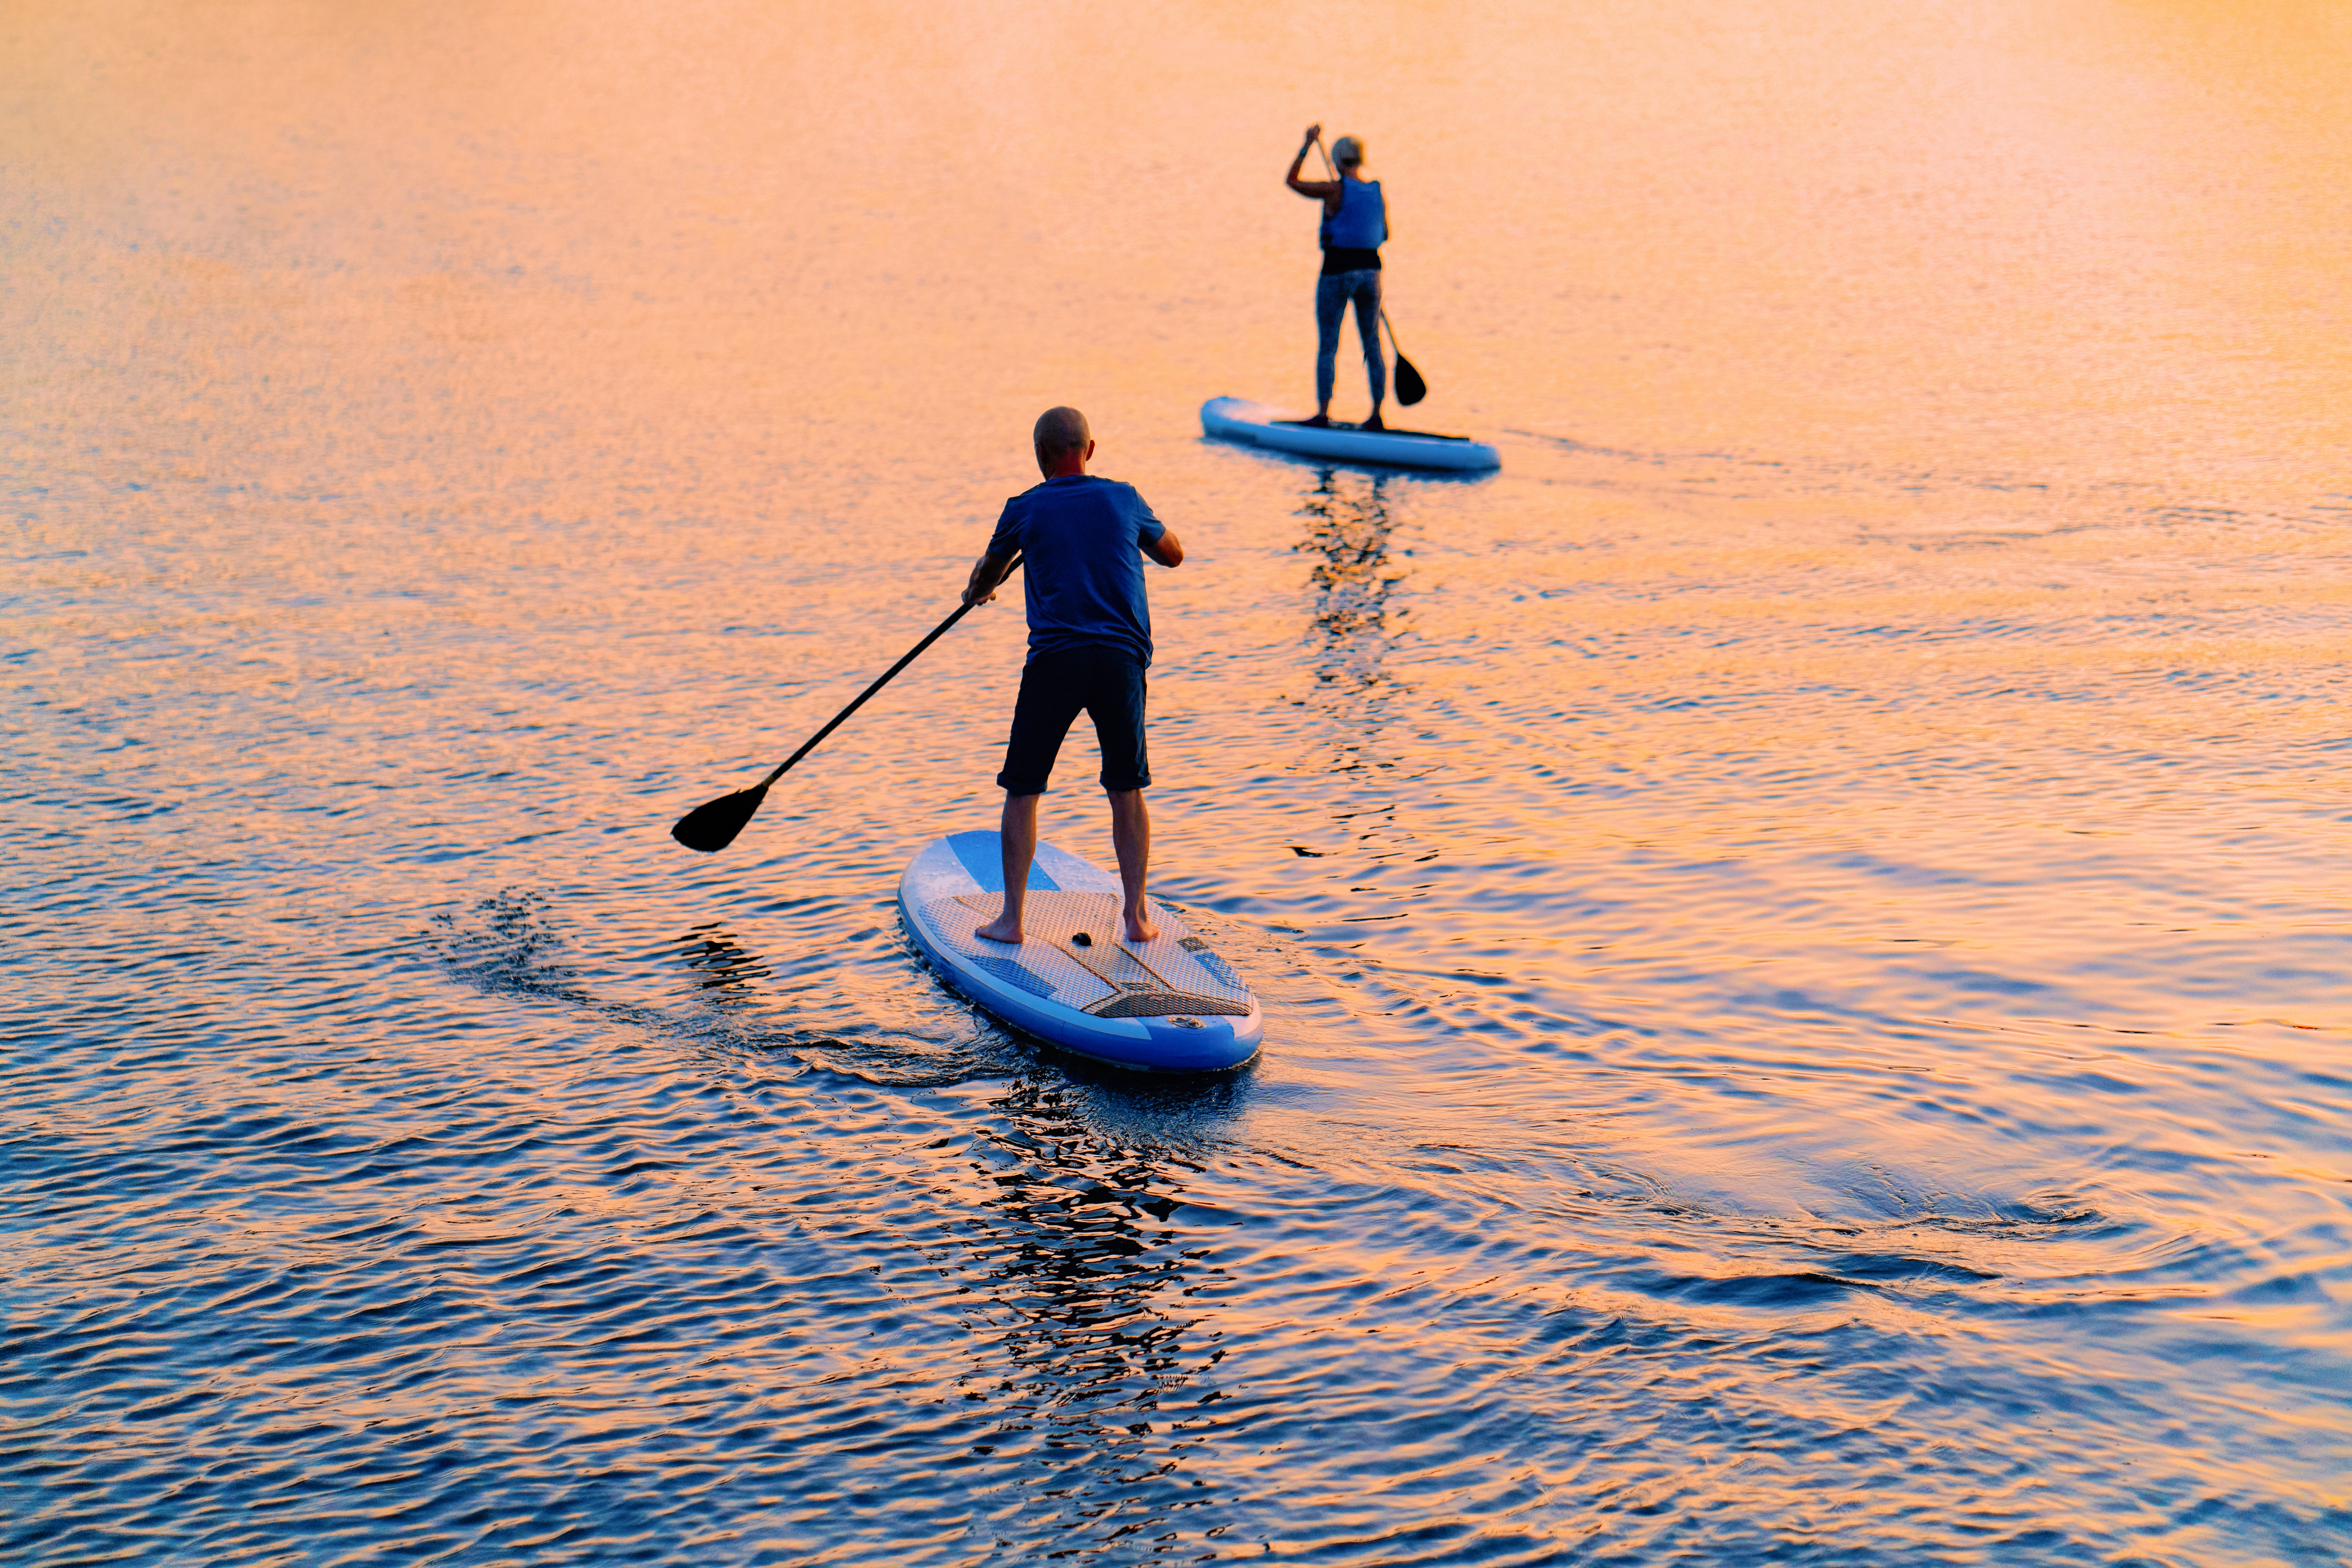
(884, 679)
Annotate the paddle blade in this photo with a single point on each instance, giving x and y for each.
(713, 825)
(1410, 388)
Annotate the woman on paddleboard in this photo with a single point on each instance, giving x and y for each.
(1355, 224)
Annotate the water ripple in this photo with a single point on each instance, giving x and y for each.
(1801, 922)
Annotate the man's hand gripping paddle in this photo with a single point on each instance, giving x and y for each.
(713, 825)
(1410, 388)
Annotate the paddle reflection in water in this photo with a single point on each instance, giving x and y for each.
(717, 960)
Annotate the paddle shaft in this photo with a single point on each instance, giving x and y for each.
(1333, 170)
(912, 654)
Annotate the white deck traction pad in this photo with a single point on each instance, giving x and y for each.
(1174, 971)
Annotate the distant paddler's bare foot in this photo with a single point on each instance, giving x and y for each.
(1140, 927)
(1000, 929)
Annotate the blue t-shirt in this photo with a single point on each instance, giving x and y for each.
(1084, 538)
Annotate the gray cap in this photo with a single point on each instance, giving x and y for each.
(1347, 150)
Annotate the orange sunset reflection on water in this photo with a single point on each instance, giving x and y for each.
(1801, 922)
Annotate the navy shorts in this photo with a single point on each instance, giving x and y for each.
(1107, 682)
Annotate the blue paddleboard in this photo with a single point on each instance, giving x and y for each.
(1169, 1005)
(1238, 419)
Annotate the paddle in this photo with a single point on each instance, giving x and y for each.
(713, 825)
(1410, 388)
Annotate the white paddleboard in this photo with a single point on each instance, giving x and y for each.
(1239, 419)
(1169, 1005)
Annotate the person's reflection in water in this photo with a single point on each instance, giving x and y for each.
(1090, 1341)
(1349, 527)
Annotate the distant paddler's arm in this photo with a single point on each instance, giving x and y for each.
(1168, 549)
(987, 573)
(1324, 191)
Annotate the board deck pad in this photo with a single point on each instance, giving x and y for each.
(1129, 976)
(1170, 1003)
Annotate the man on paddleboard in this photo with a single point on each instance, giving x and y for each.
(1355, 225)
(1082, 542)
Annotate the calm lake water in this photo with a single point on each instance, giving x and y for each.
(1806, 924)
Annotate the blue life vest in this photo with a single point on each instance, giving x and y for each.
(1362, 223)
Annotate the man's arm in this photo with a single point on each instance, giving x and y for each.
(987, 573)
(1168, 549)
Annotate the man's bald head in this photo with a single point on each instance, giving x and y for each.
(1061, 435)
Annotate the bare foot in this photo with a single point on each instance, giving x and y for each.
(1139, 930)
(998, 929)
(1373, 421)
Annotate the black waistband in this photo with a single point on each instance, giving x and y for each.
(1339, 258)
